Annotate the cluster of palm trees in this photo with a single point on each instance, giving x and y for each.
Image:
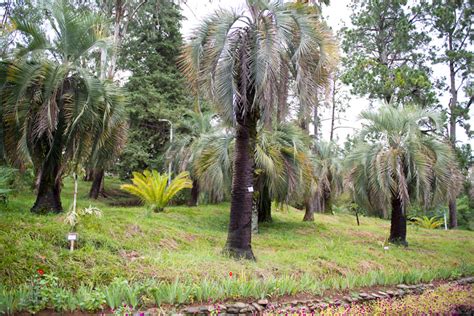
(56, 111)
(244, 64)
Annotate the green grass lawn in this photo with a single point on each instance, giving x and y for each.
(185, 243)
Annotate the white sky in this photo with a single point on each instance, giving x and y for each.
(337, 14)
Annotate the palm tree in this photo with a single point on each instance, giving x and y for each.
(236, 59)
(327, 169)
(54, 109)
(398, 160)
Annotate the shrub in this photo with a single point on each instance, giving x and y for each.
(153, 189)
(428, 222)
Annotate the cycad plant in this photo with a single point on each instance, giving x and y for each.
(399, 160)
(154, 190)
(235, 60)
(428, 222)
(54, 108)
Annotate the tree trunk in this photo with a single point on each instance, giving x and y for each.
(193, 201)
(309, 209)
(453, 223)
(453, 220)
(48, 198)
(333, 111)
(398, 228)
(239, 237)
(264, 205)
(97, 186)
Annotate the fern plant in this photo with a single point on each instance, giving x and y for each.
(153, 189)
(428, 222)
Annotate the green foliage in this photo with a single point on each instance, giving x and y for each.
(153, 188)
(428, 222)
(384, 60)
(465, 209)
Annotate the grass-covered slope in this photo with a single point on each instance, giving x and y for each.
(186, 243)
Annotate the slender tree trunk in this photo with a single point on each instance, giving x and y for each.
(453, 222)
(193, 201)
(398, 228)
(333, 112)
(97, 186)
(239, 237)
(264, 205)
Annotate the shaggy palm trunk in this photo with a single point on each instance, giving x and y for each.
(97, 186)
(48, 197)
(398, 228)
(193, 201)
(264, 204)
(239, 237)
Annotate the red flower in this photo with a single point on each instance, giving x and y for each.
(230, 273)
(40, 272)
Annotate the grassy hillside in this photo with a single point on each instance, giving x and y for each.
(185, 243)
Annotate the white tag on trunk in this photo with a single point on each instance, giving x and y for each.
(250, 189)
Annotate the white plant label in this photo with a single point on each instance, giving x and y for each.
(250, 189)
(72, 236)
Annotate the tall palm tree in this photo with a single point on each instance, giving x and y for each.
(237, 58)
(398, 160)
(54, 109)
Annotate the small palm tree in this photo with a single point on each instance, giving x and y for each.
(54, 108)
(397, 161)
(184, 151)
(153, 188)
(328, 173)
(235, 59)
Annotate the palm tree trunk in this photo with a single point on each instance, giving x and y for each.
(453, 220)
(264, 205)
(97, 186)
(310, 204)
(398, 228)
(193, 201)
(239, 237)
(48, 198)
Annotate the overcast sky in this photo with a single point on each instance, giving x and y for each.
(337, 14)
